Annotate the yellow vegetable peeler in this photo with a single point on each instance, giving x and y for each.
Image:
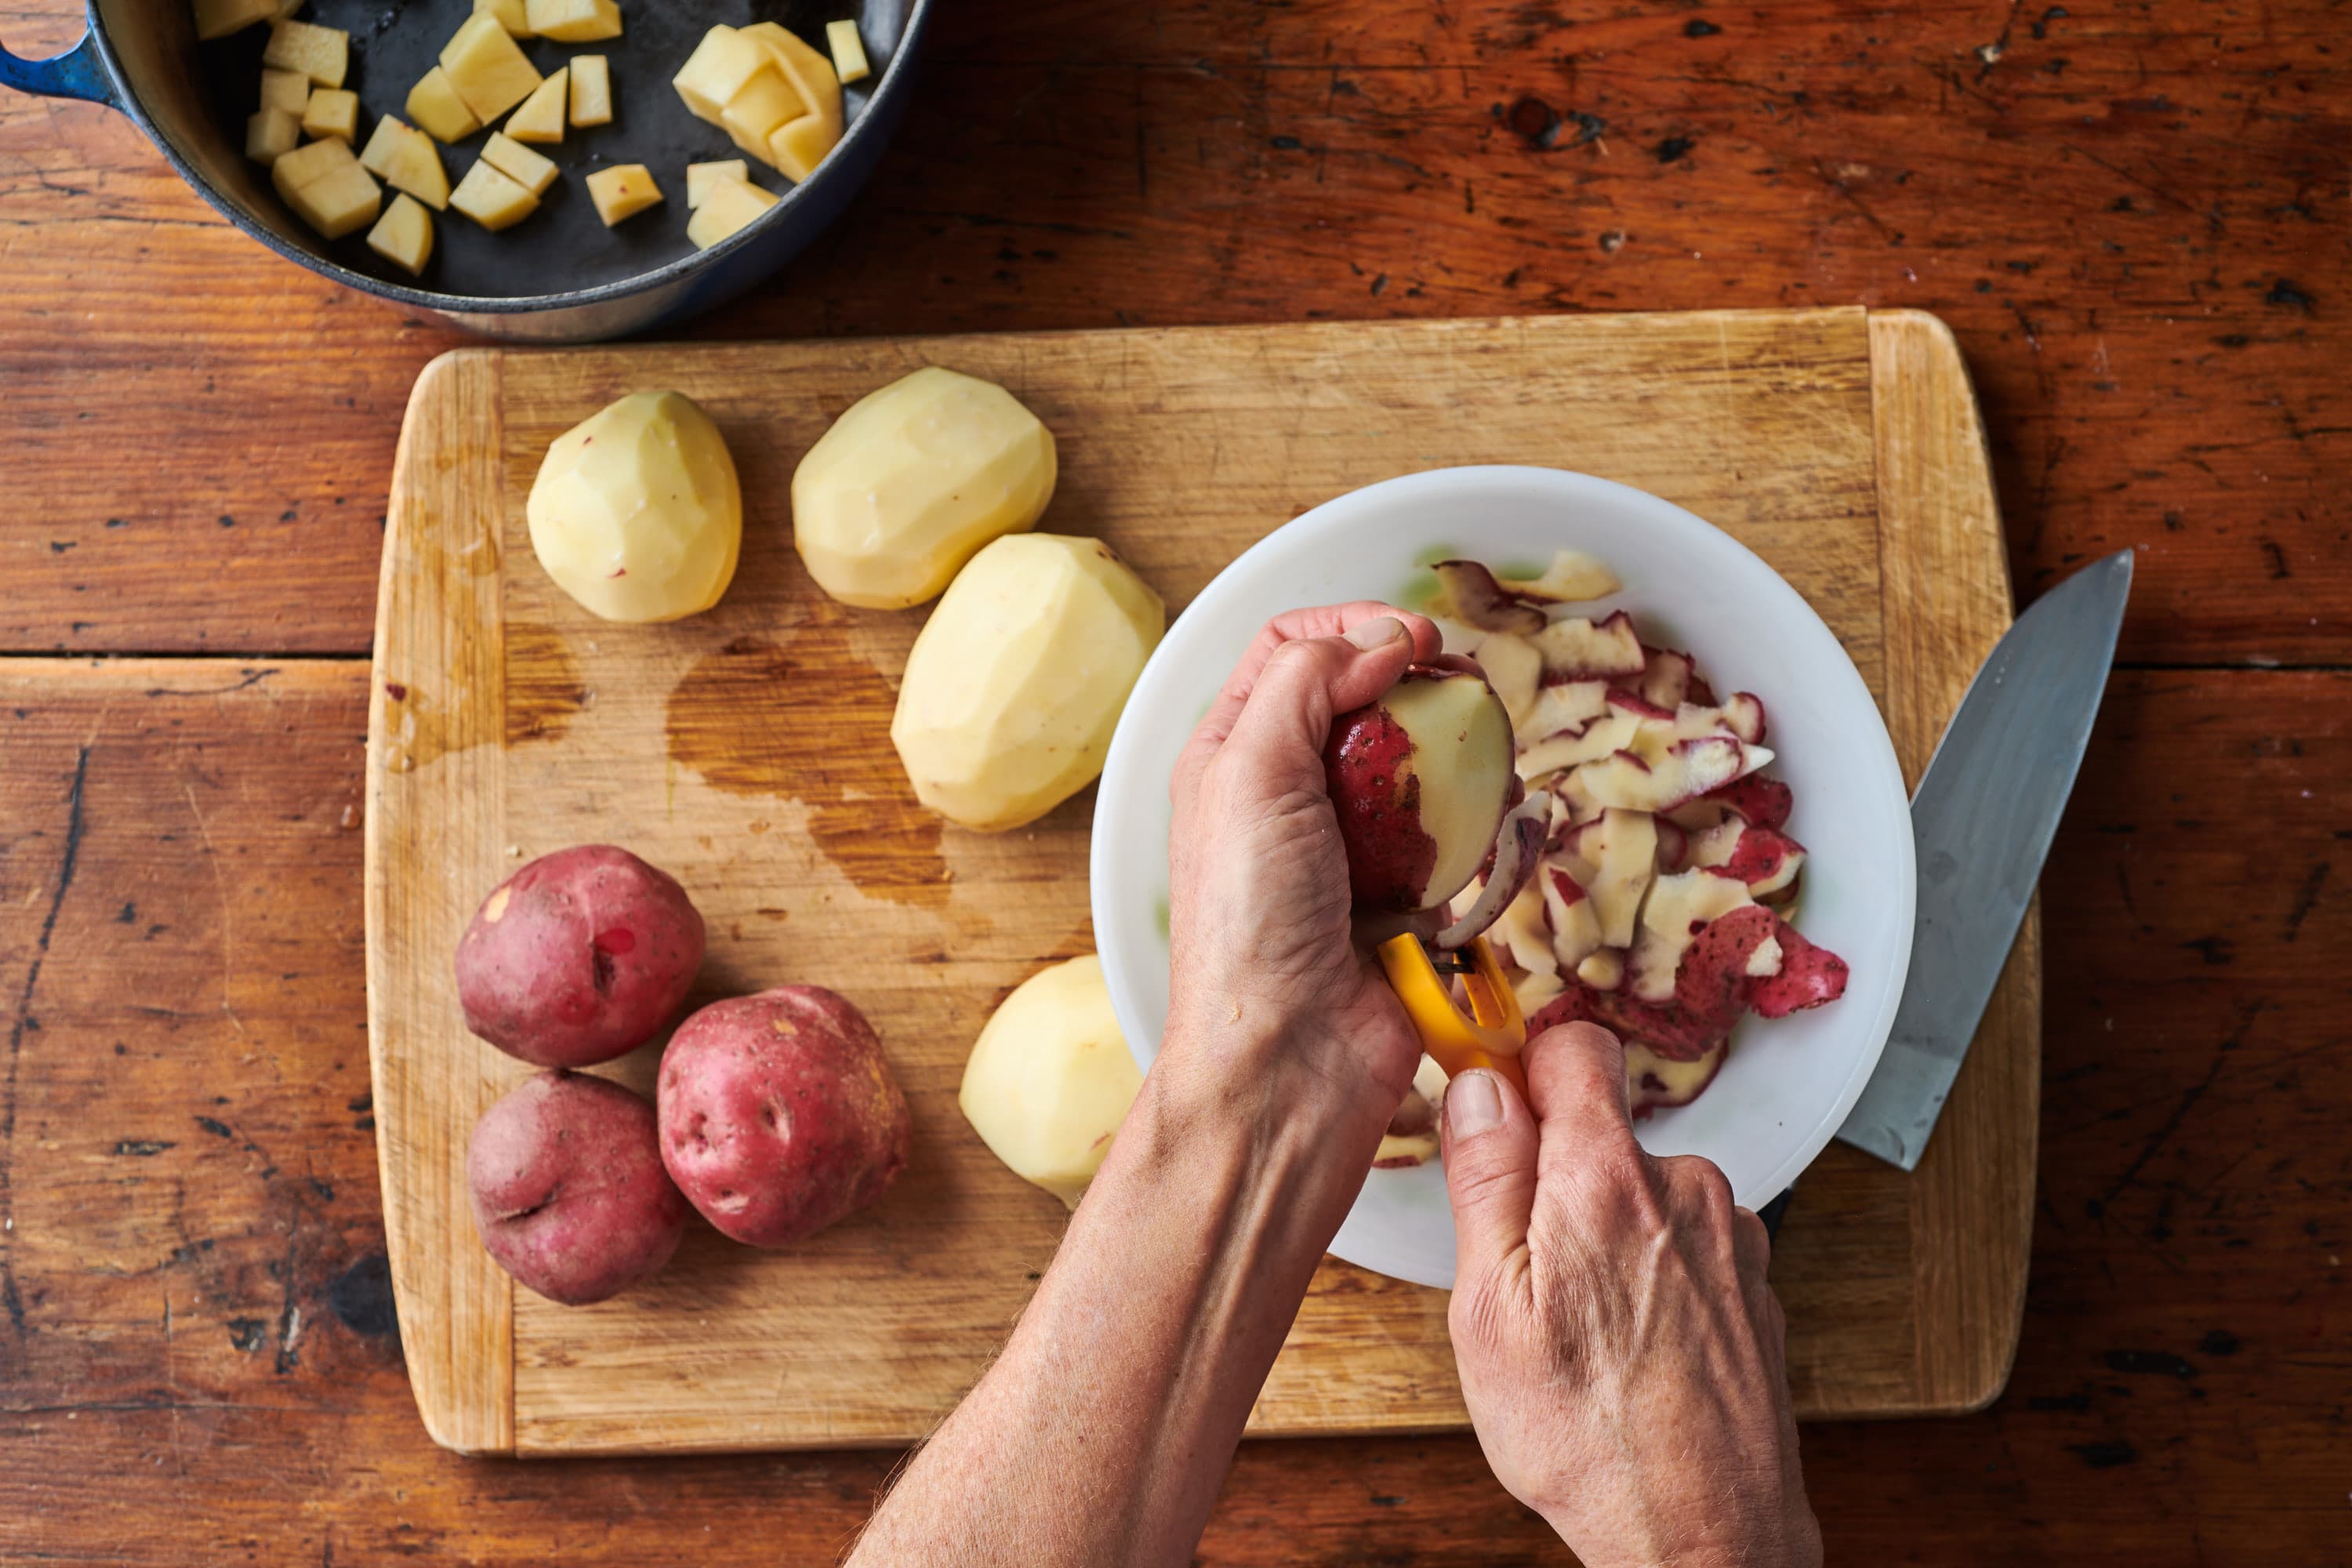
(1490, 1035)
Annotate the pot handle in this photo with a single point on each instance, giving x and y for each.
(77, 73)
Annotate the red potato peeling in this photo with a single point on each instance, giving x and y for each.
(1469, 592)
(1595, 738)
(1640, 707)
(1419, 780)
(577, 957)
(1682, 772)
(1565, 705)
(1810, 975)
(1660, 1084)
(1768, 861)
(1580, 650)
(1517, 846)
(779, 1114)
(569, 1194)
(1571, 577)
(1764, 803)
(1667, 680)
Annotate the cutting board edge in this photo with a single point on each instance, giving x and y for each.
(463, 1381)
(1935, 491)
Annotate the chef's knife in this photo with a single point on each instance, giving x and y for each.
(1981, 819)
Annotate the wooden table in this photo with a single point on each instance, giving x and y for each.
(2134, 214)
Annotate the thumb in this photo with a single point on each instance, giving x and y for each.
(1308, 682)
(1490, 1171)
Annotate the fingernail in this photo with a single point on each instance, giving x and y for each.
(1473, 1104)
(1379, 632)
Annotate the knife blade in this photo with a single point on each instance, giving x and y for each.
(1982, 820)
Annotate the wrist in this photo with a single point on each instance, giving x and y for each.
(1275, 1074)
(1268, 1154)
(1790, 1542)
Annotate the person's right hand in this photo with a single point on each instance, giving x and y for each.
(1619, 1351)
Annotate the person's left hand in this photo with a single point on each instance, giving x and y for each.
(1263, 977)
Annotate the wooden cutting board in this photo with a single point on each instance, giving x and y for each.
(746, 750)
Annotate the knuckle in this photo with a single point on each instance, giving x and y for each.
(1293, 658)
(1700, 1183)
(1614, 1164)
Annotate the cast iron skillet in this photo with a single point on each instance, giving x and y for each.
(559, 275)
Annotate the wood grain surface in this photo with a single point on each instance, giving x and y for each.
(746, 750)
(2132, 212)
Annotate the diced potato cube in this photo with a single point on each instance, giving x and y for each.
(717, 71)
(727, 205)
(848, 50)
(219, 18)
(797, 148)
(487, 67)
(288, 90)
(621, 191)
(511, 16)
(810, 73)
(434, 105)
(332, 111)
(574, 21)
(518, 163)
(701, 177)
(540, 118)
(591, 90)
(307, 164)
(322, 54)
(758, 107)
(414, 165)
(287, 7)
(270, 133)
(338, 202)
(403, 235)
(376, 156)
(408, 161)
(491, 199)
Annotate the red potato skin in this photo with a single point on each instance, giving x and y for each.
(1368, 763)
(779, 1114)
(568, 1188)
(579, 957)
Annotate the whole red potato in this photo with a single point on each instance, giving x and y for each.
(581, 956)
(779, 1114)
(569, 1191)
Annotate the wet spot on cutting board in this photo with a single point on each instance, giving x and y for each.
(543, 685)
(810, 721)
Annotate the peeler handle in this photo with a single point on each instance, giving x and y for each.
(1457, 1043)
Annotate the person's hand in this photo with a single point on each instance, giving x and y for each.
(1619, 1351)
(1262, 974)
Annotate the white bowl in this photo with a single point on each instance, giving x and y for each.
(1788, 1083)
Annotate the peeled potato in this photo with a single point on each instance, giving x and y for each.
(893, 499)
(1050, 1079)
(1015, 684)
(636, 512)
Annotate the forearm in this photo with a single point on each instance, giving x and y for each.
(1103, 1431)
